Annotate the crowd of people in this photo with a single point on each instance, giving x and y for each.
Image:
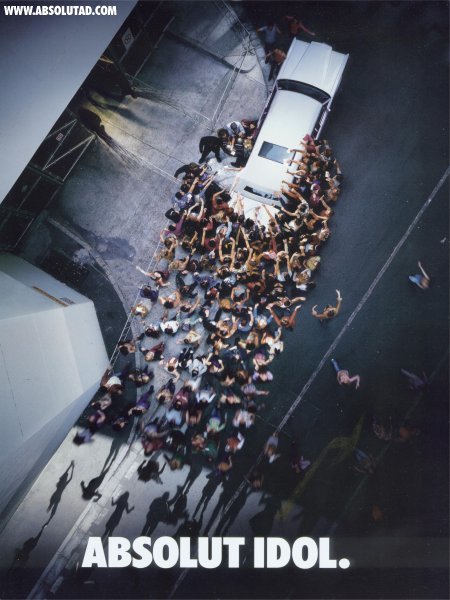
(226, 288)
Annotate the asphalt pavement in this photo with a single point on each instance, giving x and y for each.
(389, 131)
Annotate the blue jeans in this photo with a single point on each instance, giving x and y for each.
(337, 368)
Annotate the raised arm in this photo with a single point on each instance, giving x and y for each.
(419, 264)
(277, 267)
(247, 262)
(208, 182)
(300, 24)
(357, 380)
(148, 273)
(201, 212)
(191, 242)
(216, 195)
(315, 313)
(220, 250)
(269, 214)
(194, 306)
(294, 258)
(276, 318)
(233, 253)
(293, 316)
(290, 161)
(194, 183)
(317, 217)
(339, 301)
(289, 184)
(244, 235)
(297, 300)
(203, 236)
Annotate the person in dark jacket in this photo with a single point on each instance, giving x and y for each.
(208, 144)
(191, 169)
(241, 153)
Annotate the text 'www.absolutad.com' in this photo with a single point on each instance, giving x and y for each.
(46, 10)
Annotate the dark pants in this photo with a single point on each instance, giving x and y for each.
(208, 151)
(337, 368)
(268, 47)
(239, 161)
(208, 144)
(274, 70)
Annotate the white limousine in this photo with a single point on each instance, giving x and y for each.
(298, 104)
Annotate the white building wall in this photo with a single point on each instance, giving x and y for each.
(52, 357)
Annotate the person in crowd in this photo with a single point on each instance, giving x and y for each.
(295, 26)
(190, 169)
(154, 353)
(415, 382)
(271, 33)
(421, 279)
(126, 347)
(235, 129)
(343, 377)
(249, 126)
(271, 447)
(159, 277)
(208, 144)
(329, 312)
(276, 57)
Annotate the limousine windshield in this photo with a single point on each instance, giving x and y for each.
(273, 152)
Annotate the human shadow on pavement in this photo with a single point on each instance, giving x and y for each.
(179, 503)
(113, 452)
(197, 465)
(228, 489)
(158, 512)
(190, 528)
(149, 470)
(231, 514)
(55, 498)
(15, 581)
(207, 493)
(90, 491)
(262, 522)
(22, 554)
(121, 505)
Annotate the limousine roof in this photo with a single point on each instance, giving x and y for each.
(292, 113)
(291, 116)
(315, 64)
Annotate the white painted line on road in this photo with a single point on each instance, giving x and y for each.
(330, 350)
(39, 588)
(363, 300)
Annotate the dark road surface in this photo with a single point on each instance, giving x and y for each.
(389, 131)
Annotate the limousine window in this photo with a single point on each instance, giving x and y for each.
(273, 152)
(303, 88)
